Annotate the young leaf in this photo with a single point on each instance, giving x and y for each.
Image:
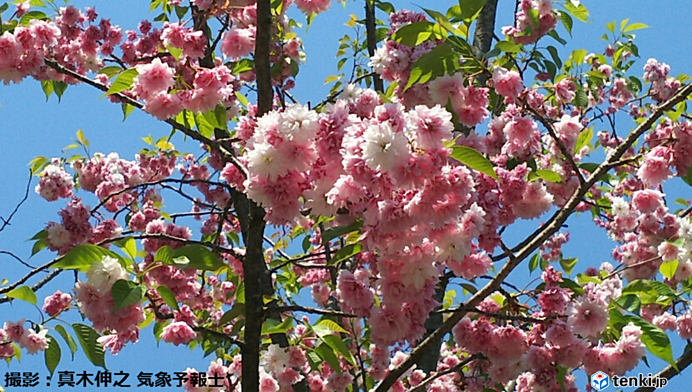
(583, 139)
(668, 268)
(471, 8)
(24, 293)
(416, 33)
(164, 255)
(338, 231)
(87, 337)
(339, 346)
(168, 297)
(52, 355)
(439, 61)
(580, 12)
(68, 339)
(82, 257)
(547, 175)
(327, 353)
(199, 256)
(327, 326)
(634, 26)
(272, 326)
(126, 293)
(346, 252)
(123, 81)
(568, 264)
(567, 22)
(232, 314)
(473, 159)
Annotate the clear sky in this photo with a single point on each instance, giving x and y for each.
(30, 126)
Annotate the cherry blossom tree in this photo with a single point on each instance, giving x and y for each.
(374, 201)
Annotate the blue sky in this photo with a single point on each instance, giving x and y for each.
(30, 126)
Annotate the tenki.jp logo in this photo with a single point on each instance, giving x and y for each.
(600, 381)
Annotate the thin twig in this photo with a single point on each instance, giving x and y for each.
(6, 222)
(421, 387)
(19, 259)
(556, 139)
(304, 309)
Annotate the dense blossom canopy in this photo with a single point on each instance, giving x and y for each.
(392, 193)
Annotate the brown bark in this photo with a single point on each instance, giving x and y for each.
(371, 29)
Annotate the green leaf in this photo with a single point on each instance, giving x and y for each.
(654, 338)
(471, 8)
(203, 125)
(629, 302)
(24, 293)
(387, 7)
(473, 159)
(39, 246)
(158, 328)
(533, 263)
(168, 297)
(87, 337)
(416, 33)
(555, 56)
(439, 61)
(547, 175)
(220, 114)
(567, 22)
(164, 255)
(47, 86)
(469, 288)
(237, 310)
(568, 264)
(127, 109)
(123, 81)
(556, 37)
(611, 26)
(59, 88)
(635, 26)
(584, 139)
(668, 268)
(327, 353)
(196, 257)
(175, 52)
(110, 70)
(688, 177)
(580, 12)
(82, 257)
(31, 15)
(442, 20)
(581, 99)
(327, 326)
(272, 326)
(128, 245)
(126, 293)
(346, 252)
(508, 47)
(338, 231)
(68, 339)
(243, 65)
(52, 355)
(339, 346)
